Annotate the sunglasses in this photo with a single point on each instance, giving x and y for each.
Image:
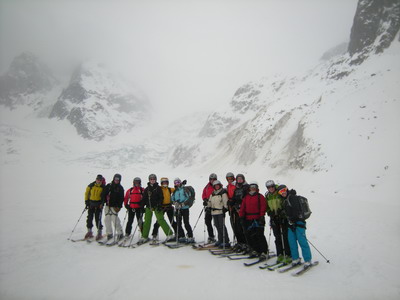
(284, 190)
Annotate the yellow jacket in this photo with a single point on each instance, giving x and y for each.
(167, 191)
(93, 192)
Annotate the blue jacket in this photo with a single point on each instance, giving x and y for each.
(180, 196)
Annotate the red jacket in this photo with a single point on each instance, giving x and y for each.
(133, 196)
(207, 191)
(253, 207)
(230, 188)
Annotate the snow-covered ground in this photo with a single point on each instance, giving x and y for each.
(355, 225)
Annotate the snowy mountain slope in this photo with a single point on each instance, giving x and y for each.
(28, 81)
(98, 104)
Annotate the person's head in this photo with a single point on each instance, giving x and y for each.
(230, 177)
(99, 179)
(177, 182)
(212, 177)
(240, 178)
(117, 178)
(217, 185)
(253, 188)
(270, 185)
(282, 190)
(152, 178)
(164, 181)
(137, 181)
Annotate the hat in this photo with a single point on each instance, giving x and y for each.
(117, 176)
(99, 177)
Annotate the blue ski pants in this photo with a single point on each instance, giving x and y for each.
(298, 235)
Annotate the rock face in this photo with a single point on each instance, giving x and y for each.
(98, 104)
(376, 24)
(26, 82)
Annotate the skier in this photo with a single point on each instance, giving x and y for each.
(252, 212)
(113, 197)
(241, 190)
(166, 206)
(132, 203)
(180, 198)
(278, 222)
(218, 203)
(94, 206)
(297, 226)
(230, 188)
(152, 201)
(207, 191)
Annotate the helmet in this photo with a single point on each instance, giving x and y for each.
(240, 175)
(117, 176)
(216, 182)
(282, 188)
(99, 177)
(137, 179)
(253, 183)
(164, 179)
(230, 174)
(269, 183)
(152, 176)
(177, 181)
(212, 176)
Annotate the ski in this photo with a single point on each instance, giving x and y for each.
(155, 242)
(305, 269)
(258, 261)
(276, 266)
(175, 246)
(216, 252)
(202, 245)
(289, 267)
(233, 254)
(123, 242)
(231, 257)
(90, 240)
(78, 240)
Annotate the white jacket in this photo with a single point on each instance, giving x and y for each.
(217, 201)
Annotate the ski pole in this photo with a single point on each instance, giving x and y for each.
(269, 237)
(77, 223)
(327, 260)
(282, 241)
(198, 219)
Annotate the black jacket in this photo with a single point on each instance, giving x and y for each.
(292, 207)
(113, 195)
(152, 196)
(239, 194)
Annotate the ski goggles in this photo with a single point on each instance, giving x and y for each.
(284, 190)
(177, 182)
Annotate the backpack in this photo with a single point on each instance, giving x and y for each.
(305, 211)
(189, 190)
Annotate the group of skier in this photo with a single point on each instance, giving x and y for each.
(243, 202)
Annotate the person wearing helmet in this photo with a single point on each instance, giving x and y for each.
(94, 205)
(166, 206)
(297, 226)
(252, 212)
(278, 222)
(180, 198)
(207, 191)
(113, 197)
(132, 203)
(218, 203)
(241, 190)
(230, 188)
(152, 201)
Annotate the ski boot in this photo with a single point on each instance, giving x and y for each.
(89, 234)
(99, 235)
(296, 262)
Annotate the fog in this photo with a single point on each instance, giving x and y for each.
(182, 54)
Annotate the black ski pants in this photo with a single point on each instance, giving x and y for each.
(280, 230)
(208, 221)
(183, 214)
(219, 222)
(94, 211)
(131, 216)
(256, 237)
(170, 214)
(237, 227)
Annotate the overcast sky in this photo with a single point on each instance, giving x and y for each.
(187, 53)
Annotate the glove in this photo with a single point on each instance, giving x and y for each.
(231, 203)
(87, 204)
(261, 221)
(205, 202)
(224, 210)
(127, 207)
(117, 209)
(184, 182)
